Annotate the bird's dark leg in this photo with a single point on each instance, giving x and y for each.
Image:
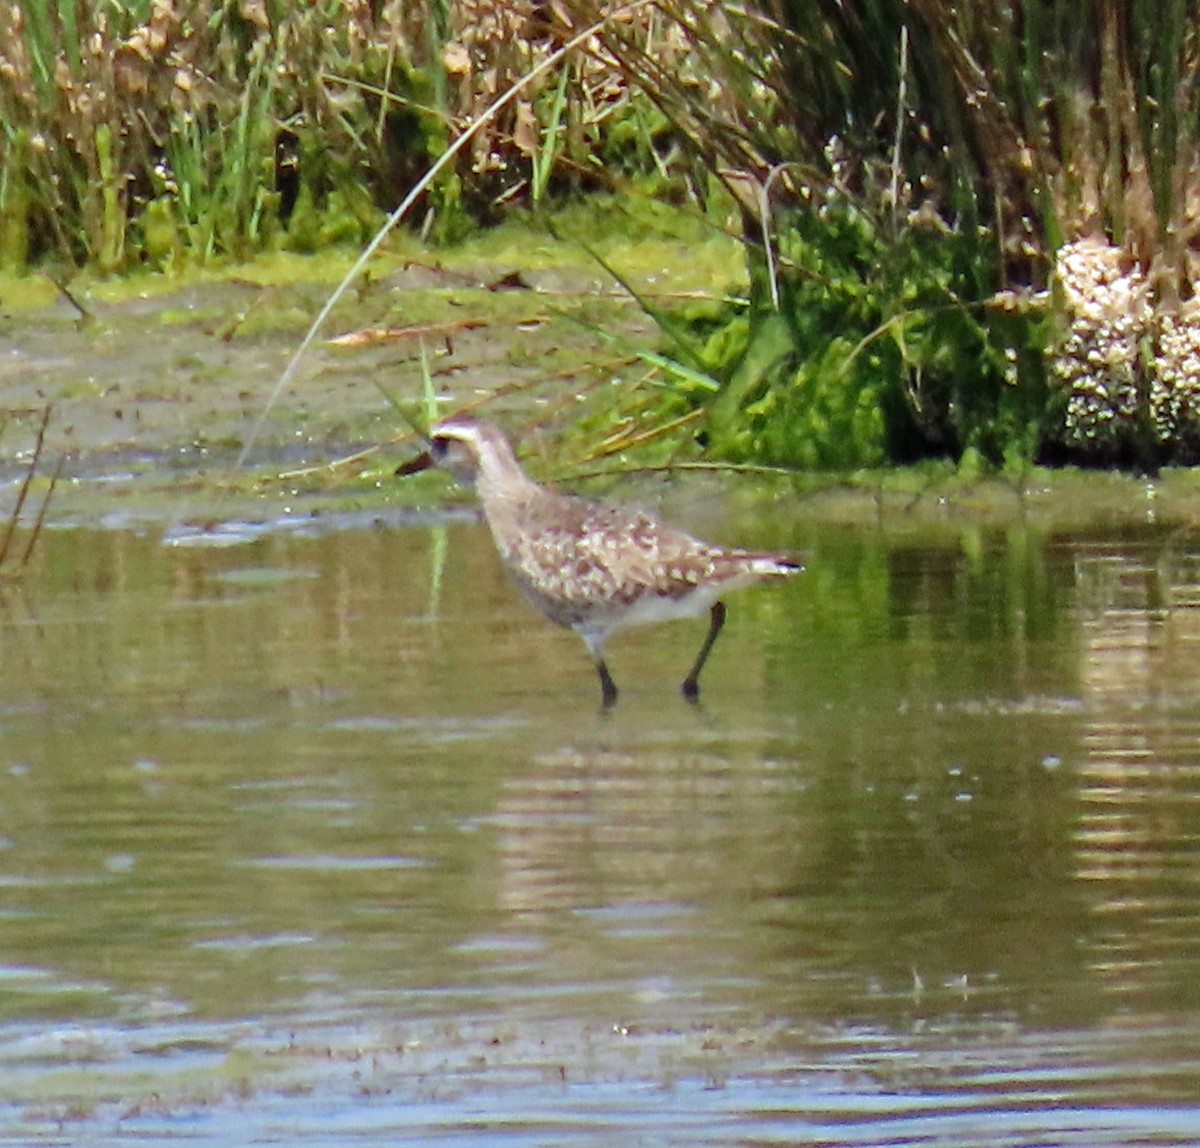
(608, 688)
(691, 684)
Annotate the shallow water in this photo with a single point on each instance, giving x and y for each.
(319, 836)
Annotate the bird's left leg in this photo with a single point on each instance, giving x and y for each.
(594, 641)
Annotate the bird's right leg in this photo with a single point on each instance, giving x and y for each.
(691, 684)
(608, 688)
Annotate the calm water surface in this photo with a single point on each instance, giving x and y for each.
(321, 837)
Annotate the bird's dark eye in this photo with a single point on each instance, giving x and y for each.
(438, 448)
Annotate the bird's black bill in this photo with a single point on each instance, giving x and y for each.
(415, 465)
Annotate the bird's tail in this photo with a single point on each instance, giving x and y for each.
(774, 565)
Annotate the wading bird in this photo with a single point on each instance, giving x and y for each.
(595, 567)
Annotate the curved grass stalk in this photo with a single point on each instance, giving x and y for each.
(764, 217)
(405, 205)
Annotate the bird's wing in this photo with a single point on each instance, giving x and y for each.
(572, 552)
(635, 553)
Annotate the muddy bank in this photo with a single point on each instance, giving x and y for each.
(158, 395)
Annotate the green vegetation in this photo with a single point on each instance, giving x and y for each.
(968, 228)
(970, 225)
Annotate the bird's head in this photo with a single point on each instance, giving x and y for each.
(464, 447)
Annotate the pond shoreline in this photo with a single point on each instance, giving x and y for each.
(156, 392)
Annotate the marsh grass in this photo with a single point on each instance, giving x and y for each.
(183, 130)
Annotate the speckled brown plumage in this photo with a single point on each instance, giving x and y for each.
(593, 566)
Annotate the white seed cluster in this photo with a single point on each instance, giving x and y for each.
(1109, 312)
(1175, 383)
(1118, 346)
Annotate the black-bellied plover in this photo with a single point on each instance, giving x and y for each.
(593, 566)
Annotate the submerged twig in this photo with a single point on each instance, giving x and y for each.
(60, 285)
(26, 482)
(40, 521)
(23, 494)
